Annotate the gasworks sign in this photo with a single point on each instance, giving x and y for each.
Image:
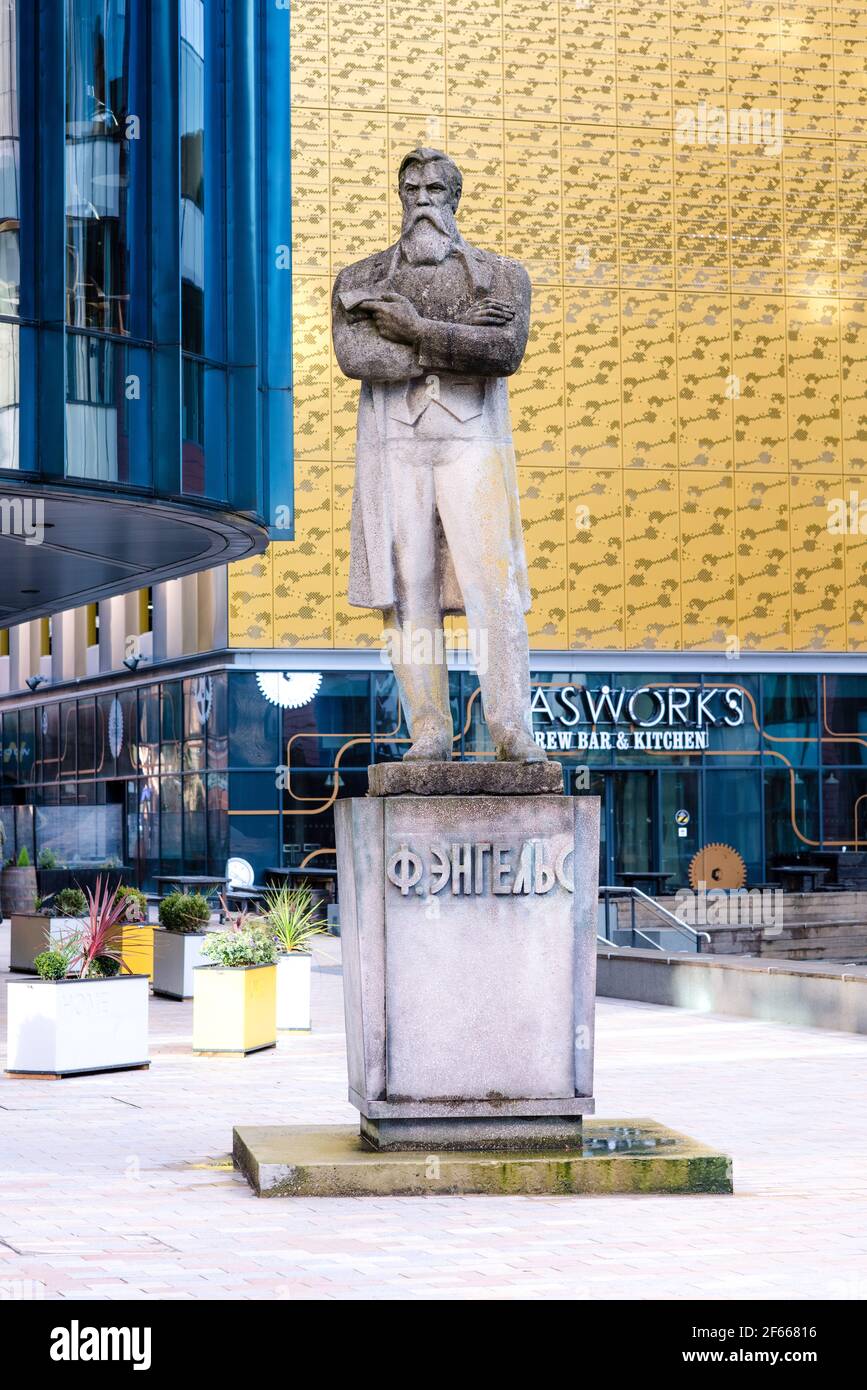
(652, 718)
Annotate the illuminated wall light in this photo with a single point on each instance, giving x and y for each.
(289, 689)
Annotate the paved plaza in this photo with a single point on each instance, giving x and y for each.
(120, 1186)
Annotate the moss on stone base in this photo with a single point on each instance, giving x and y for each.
(618, 1156)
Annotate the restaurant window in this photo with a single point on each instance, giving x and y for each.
(791, 813)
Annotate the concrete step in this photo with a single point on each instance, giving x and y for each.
(795, 908)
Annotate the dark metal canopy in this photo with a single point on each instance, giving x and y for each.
(96, 544)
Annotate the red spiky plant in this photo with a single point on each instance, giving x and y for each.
(240, 921)
(98, 929)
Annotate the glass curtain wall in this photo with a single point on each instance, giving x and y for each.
(141, 279)
(190, 770)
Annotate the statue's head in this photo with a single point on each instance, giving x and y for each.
(430, 185)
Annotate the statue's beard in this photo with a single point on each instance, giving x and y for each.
(427, 237)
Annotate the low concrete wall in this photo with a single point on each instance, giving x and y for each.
(805, 995)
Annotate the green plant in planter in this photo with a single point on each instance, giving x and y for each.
(248, 941)
(23, 860)
(184, 912)
(292, 918)
(46, 859)
(70, 902)
(95, 955)
(135, 907)
(103, 968)
(55, 963)
(51, 965)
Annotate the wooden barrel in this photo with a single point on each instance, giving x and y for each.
(18, 890)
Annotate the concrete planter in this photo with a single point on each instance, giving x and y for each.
(32, 932)
(293, 991)
(71, 1027)
(134, 942)
(176, 955)
(234, 1008)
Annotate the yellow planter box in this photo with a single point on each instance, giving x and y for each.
(135, 943)
(234, 1008)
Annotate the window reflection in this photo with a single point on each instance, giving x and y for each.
(9, 393)
(192, 118)
(107, 429)
(97, 163)
(10, 224)
(204, 385)
(10, 181)
(790, 712)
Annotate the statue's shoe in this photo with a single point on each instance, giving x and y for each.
(516, 746)
(430, 748)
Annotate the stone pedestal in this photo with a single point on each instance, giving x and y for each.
(468, 924)
(468, 920)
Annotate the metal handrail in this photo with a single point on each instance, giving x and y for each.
(607, 891)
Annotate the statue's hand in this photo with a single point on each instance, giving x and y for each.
(490, 313)
(395, 317)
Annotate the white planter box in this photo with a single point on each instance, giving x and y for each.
(176, 954)
(31, 933)
(293, 991)
(68, 1027)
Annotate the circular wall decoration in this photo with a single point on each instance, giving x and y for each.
(717, 866)
(289, 689)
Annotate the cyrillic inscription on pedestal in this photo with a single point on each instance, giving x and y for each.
(469, 935)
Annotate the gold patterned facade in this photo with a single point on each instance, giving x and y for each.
(687, 184)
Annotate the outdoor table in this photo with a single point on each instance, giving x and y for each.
(320, 881)
(195, 882)
(801, 878)
(295, 871)
(838, 861)
(238, 894)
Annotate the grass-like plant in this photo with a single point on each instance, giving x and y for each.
(291, 916)
(96, 953)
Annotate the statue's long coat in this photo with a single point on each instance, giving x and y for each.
(490, 353)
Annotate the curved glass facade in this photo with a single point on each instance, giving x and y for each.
(141, 272)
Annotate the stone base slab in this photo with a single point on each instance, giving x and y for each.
(616, 1156)
(465, 779)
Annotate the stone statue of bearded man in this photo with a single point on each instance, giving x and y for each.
(432, 327)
